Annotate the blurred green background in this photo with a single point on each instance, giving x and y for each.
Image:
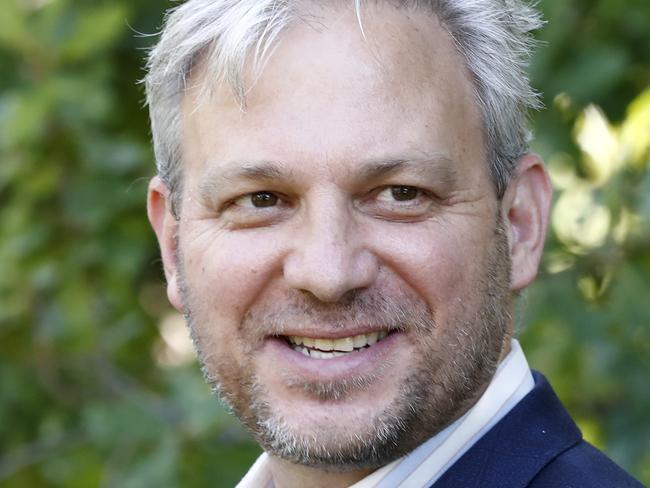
(99, 385)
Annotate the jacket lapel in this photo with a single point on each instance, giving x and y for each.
(532, 434)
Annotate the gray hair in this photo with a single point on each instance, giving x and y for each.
(493, 36)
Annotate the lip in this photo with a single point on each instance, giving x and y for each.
(332, 334)
(332, 369)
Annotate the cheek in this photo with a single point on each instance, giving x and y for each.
(226, 272)
(441, 266)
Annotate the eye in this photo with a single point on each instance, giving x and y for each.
(399, 193)
(257, 209)
(399, 203)
(260, 199)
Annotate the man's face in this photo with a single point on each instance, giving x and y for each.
(347, 207)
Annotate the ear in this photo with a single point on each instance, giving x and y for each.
(525, 206)
(165, 225)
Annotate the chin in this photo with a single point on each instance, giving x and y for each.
(364, 430)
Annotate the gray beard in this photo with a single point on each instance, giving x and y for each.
(454, 369)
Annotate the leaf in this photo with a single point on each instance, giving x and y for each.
(599, 142)
(635, 131)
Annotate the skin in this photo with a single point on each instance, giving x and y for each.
(332, 127)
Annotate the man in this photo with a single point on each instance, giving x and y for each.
(346, 207)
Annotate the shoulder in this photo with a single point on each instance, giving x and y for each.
(535, 445)
(583, 466)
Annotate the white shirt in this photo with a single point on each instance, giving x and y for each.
(424, 465)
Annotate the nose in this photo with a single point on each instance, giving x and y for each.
(328, 257)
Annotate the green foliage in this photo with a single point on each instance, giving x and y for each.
(588, 322)
(84, 402)
(97, 386)
(587, 318)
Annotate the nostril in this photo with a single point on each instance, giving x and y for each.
(328, 268)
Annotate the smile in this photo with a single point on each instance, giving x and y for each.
(319, 348)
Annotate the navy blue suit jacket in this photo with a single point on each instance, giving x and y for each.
(535, 445)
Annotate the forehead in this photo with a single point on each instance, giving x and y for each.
(334, 88)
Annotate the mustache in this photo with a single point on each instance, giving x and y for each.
(357, 309)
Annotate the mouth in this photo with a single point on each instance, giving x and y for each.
(324, 348)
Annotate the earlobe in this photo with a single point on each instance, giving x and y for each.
(526, 207)
(165, 226)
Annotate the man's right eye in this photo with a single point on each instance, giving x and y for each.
(259, 199)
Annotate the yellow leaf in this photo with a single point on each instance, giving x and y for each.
(579, 221)
(599, 142)
(635, 131)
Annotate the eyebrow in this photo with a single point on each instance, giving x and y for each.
(437, 167)
(241, 170)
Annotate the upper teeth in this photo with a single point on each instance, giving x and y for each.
(344, 344)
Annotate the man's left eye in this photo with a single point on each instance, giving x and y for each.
(399, 193)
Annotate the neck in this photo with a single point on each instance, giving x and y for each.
(289, 475)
